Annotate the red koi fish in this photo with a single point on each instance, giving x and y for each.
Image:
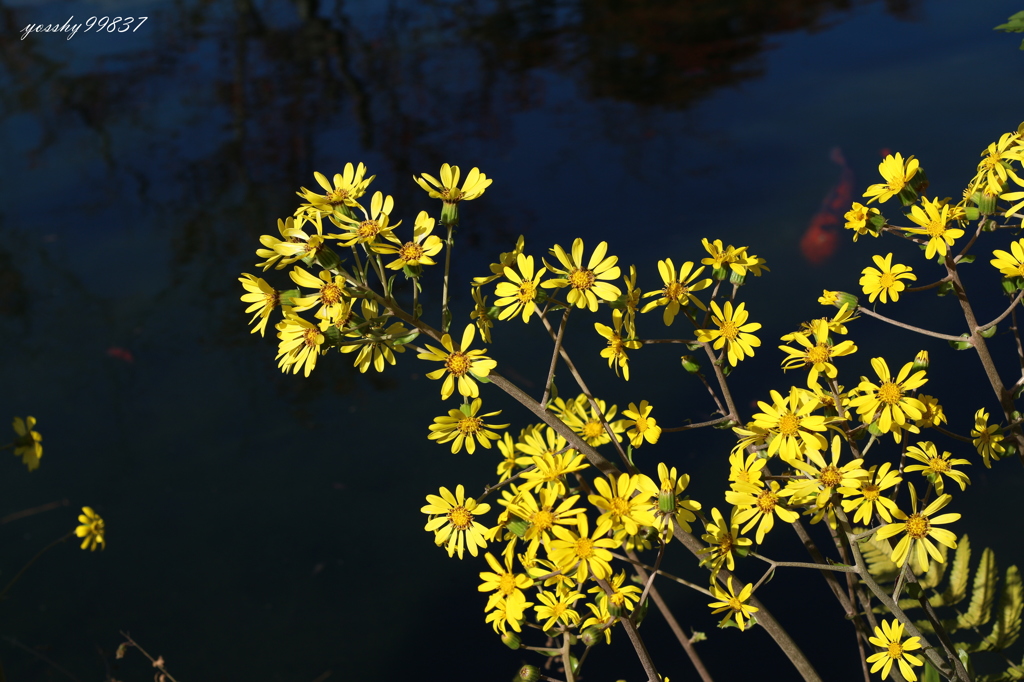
(821, 239)
(120, 354)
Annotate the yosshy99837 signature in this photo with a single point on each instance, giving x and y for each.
(101, 24)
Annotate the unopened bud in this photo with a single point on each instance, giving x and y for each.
(736, 278)
(528, 673)
(690, 365)
(327, 258)
(850, 300)
(449, 214)
(591, 636)
(986, 202)
(720, 273)
(666, 501)
(511, 640)
(920, 361)
(518, 527)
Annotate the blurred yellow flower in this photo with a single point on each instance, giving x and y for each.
(28, 444)
(92, 529)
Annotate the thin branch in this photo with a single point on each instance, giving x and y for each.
(1005, 313)
(31, 561)
(44, 659)
(841, 568)
(554, 358)
(699, 425)
(33, 511)
(903, 325)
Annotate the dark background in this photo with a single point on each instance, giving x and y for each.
(267, 527)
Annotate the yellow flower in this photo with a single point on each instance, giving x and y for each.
(1010, 264)
(724, 542)
(630, 302)
(481, 314)
(818, 355)
(734, 605)
(557, 608)
(550, 470)
(735, 258)
(885, 282)
(581, 417)
(987, 439)
(867, 498)
(374, 225)
(92, 530)
(416, 252)
(290, 248)
(995, 168)
(301, 344)
(28, 445)
(829, 297)
(512, 461)
(453, 521)
(745, 468)
(888, 402)
(936, 466)
(460, 364)
(897, 174)
(585, 283)
(540, 439)
(668, 503)
(346, 189)
(463, 426)
(732, 330)
(504, 260)
(933, 219)
(794, 430)
(678, 290)
(588, 555)
(640, 425)
(519, 294)
(508, 611)
(447, 188)
(330, 294)
(375, 343)
(918, 528)
(544, 515)
(858, 219)
(889, 637)
(758, 505)
(503, 582)
(263, 297)
(825, 477)
(616, 350)
(624, 503)
(620, 600)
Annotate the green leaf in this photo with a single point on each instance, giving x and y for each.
(406, 338)
(1014, 24)
(966, 258)
(930, 673)
(989, 332)
(945, 289)
(958, 574)
(962, 345)
(983, 593)
(877, 555)
(1006, 629)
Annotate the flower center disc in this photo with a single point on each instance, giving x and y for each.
(766, 501)
(527, 291)
(938, 464)
(730, 330)
(830, 476)
(457, 363)
(674, 291)
(789, 425)
(917, 526)
(890, 393)
(819, 353)
(584, 548)
(410, 251)
(543, 520)
(469, 425)
(581, 278)
(460, 518)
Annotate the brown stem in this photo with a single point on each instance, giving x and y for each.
(904, 325)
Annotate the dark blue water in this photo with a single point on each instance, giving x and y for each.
(267, 527)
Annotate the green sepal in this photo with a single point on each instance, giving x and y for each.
(287, 295)
(907, 195)
(511, 640)
(482, 380)
(877, 222)
(332, 336)
(971, 213)
(412, 271)
(518, 527)
(919, 183)
(328, 258)
(697, 636)
(629, 454)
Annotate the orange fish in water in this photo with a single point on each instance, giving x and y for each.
(821, 239)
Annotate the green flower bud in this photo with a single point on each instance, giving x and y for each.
(518, 527)
(667, 501)
(327, 258)
(736, 278)
(449, 214)
(511, 640)
(690, 365)
(920, 361)
(592, 635)
(986, 202)
(720, 273)
(528, 673)
(849, 299)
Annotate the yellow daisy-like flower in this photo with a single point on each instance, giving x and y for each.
(586, 284)
(263, 297)
(92, 529)
(330, 294)
(519, 294)
(897, 174)
(376, 344)
(587, 554)
(817, 355)
(543, 515)
(724, 542)
(414, 253)
(621, 600)
(460, 364)
(630, 303)
(933, 414)
(512, 460)
(550, 470)
(1010, 264)
(581, 417)
(453, 521)
(936, 466)
(858, 219)
(918, 527)
(890, 638)
(293, 244)
(888, 402)
(29, 444)
(447, 188)
(678, 290)
(601, 619)
(995, 168)
(624, 503)
(745, 468)
(825, 477)
(734, 605)
(557, 608)
(736, 259)
(640, 426)
(463, 426)
(503, 582)
(374, 226)
(867, 498)
(616, 350)
(481, 314)
(934, 220)
(988, 440)
(733, 332)
(345, 191)
(508, 611)
(540, 439)
(505, 260)
(829, 298)
(794, 430)
(758, 505)
(301, 344)
(884, 282)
